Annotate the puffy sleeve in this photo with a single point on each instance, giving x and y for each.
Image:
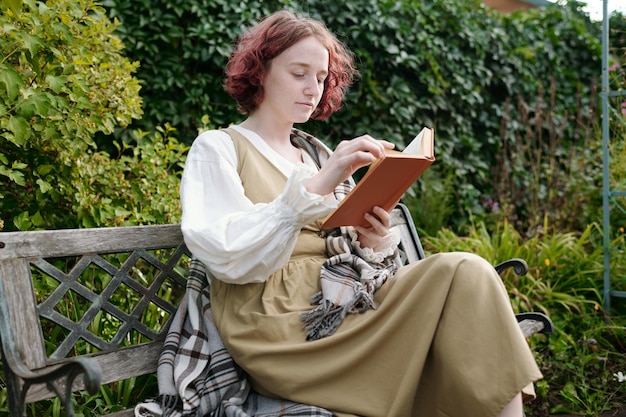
(238, 241)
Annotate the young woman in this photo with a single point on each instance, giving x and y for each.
(435, 338)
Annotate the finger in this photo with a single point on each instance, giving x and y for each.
(365, 143)
(377, 226)
(366, 232)
(376, 146)
(383, 215)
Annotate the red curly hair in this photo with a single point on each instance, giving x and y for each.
(255, 49)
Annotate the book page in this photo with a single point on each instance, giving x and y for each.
(416, 145)
(422, 144)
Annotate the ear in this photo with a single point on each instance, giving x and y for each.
(266, 70)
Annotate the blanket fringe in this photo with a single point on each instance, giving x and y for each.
(169, 404)
(325, 319)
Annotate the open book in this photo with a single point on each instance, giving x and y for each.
(385, 182)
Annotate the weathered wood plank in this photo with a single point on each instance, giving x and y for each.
(20, 299)
(73, 242)
(126, 413)
(116, 366)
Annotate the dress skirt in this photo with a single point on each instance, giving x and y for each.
(443, 340)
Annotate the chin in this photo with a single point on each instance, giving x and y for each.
(302, 119)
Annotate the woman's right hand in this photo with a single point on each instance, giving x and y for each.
(348, 156)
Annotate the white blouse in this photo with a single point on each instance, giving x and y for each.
(238, 241)
(241, 242)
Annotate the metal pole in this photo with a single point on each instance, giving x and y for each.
(605, 158)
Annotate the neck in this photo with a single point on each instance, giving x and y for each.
(273, 133)
(277, 136)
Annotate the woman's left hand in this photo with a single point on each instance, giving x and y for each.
(379, 221)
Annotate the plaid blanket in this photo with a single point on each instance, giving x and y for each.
(348, 285)
(196, 374)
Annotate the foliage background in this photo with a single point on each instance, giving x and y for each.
(513, 100)
(62, 79)
(487, 83)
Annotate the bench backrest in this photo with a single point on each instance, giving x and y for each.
(70, 282)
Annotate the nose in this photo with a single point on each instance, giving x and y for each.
(312, 88)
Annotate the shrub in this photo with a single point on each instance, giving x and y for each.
(140, 186)
(452, 65)
(183, 47)
(62, 80)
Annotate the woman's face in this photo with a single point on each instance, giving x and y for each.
(294, 83)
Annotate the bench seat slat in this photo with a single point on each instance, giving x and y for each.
(116, 366)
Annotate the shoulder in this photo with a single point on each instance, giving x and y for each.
(313, 145)
(212, 145)
(302, 135)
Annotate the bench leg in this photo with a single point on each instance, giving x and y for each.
(15, 396)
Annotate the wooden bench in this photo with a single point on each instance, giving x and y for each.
(107, 295)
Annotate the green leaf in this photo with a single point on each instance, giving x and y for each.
(22, 221)
(18, 178)
(32, 43)
(14, 5)
(120, 212)
(18, 165)
(36, 104)
(15, 176)
(11, 80)
(44, 169)
(44, 186)
(37, 219)
(56, 82)
(20, 129)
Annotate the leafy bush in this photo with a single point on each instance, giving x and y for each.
(140, 186)
(538, 173)
(183, 47)
(62, 80)
(549, 161)
(453, 65)
(562, 270)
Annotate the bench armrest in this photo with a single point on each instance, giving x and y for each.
(519, 266)
(17, 370)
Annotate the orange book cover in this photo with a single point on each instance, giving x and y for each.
(385, 182)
